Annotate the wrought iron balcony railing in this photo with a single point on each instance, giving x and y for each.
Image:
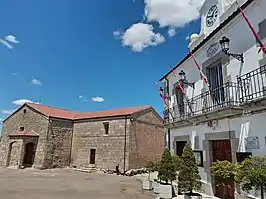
(252, 85)
(225, 96)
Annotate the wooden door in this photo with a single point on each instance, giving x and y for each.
(222, 151)
(29, 154)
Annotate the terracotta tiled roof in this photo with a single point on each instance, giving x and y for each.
(110, 113)
(24, 133)
(52, 111)
(66, 114)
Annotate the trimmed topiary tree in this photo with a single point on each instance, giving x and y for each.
(189, 178)
(166, 171)
(177, 162)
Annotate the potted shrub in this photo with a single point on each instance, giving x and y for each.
(156, 182)
(147, 184)
(166, 174)
(251, 174)
(177, 164)
(188, 177)
(224, 173)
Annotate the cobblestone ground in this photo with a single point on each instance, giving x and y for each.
(67, 184)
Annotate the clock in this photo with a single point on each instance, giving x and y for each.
(212, 15)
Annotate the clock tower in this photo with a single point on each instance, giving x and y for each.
(210, 16)
(211, 11)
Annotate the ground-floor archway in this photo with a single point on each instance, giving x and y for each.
(11, 161)
(29, 154)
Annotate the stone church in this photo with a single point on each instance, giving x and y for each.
(48, 137)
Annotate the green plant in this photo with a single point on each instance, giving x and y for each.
(150, 168)
(224, 172)
(251, 173)
(189, 178)
(166, 171)
(176, 161)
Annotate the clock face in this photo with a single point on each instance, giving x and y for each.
(212, 16)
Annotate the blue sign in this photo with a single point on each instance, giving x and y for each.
(212, 49)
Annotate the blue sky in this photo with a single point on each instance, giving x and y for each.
(76, 48)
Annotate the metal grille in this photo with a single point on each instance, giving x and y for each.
(224, 96)
(253, 85)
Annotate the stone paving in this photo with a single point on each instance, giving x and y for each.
(68, 184)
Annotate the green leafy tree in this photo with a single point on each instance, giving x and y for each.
(251, 174)
(166, 170)
(224, 172)
(189, 178)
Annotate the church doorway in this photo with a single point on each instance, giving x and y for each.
(29, 154)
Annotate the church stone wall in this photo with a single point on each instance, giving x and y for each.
(31, 120)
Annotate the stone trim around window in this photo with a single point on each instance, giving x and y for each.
(180, 138)
(225, 60)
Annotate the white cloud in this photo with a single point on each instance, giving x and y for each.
(172, 13)
(14, 74)
(117, 34)
(167, 13)
(171, 32)
(97, 99)
(83, 98)
(6, 43)
(12, 39)
(139, 36)
(23, 101)
(8, 112)
(36, 82)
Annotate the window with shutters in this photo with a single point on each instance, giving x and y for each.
(180, 100)
(215, 77)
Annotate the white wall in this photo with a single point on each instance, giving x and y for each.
(242, 41)
(254, 127)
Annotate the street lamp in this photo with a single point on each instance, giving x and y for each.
(184, 81)
(224, 42)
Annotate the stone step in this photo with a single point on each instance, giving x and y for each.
(87, 170)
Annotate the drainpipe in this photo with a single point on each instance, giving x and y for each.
(125, 145)
(71, 147)
(169, 141)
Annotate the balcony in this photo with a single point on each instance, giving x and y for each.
(217, 103)
(253, 89)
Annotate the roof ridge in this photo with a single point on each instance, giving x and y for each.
(135, 107)
(51, 107)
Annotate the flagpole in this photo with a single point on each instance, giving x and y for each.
(203, 76)
(163, 98)
(262, 46)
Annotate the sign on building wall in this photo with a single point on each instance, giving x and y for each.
(212, 50)
(252, 143)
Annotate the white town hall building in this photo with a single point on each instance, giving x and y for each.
(226, 121)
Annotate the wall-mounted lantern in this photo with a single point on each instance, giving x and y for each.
(224, 42)
(184, 81)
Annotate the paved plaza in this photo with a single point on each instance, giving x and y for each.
(68, 184)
